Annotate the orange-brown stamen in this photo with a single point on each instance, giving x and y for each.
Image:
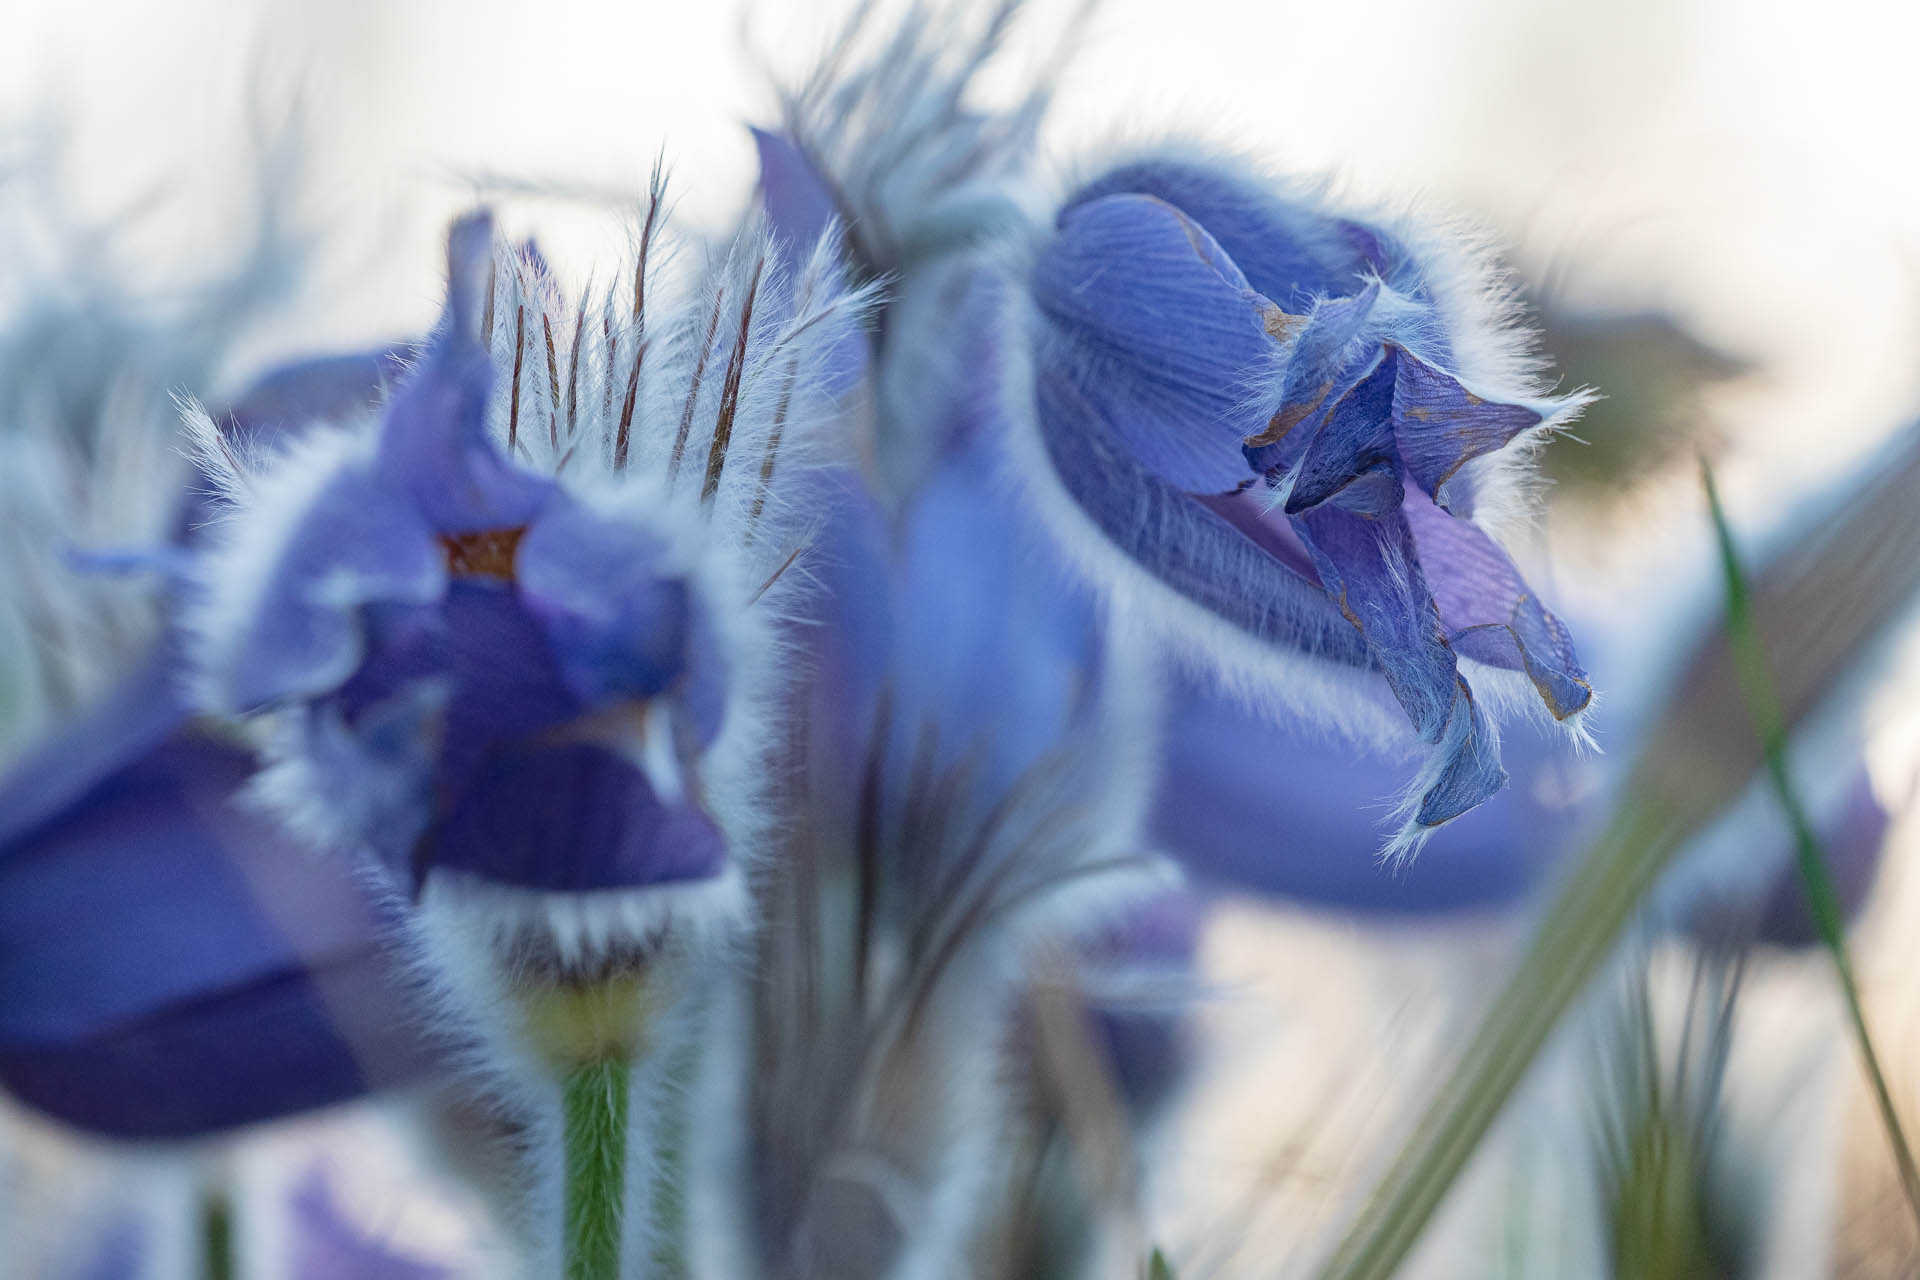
(486, 554)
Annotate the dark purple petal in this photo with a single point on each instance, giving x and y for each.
(1489, 612)
(434, 446)
(1185, 543)
(1370, 566)
(172, 966)
(1158, 329)
(1323, 364)
(1290, 251)
(503, 682)
(573, 817)
(1352, 451)
(1283, 811)
(617, 623)
(357, 543)
(1440, 426)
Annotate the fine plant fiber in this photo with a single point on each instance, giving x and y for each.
(1822, 899)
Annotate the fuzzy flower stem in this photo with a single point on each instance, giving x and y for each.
(595, 1103)
(1822, 901)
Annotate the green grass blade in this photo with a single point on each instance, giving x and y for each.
(1823, 902)
(1818, 608)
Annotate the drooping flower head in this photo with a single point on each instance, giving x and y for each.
(1280, 437)
(509, 635)
(1291, 421)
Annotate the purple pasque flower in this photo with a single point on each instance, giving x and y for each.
(1281, 439)
(508, 636)
(172, 966)
(1296, 425)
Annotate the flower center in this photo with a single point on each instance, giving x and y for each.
(486, 554)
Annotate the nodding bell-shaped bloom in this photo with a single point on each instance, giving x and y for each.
(507, 636)
(1282, 440)
(1296, 425)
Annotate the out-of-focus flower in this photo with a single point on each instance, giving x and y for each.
(971, 778)
(1742, 884)
(511, 640)
(322, 1244)
(1281, 809)
(1657, 372)
(1137, 978)
(172, 966)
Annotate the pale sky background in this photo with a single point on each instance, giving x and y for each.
(1749, 166)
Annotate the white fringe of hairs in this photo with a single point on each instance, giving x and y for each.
(715, 386)
(886, 117)
(69, 630)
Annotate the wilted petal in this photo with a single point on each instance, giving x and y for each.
(1351, 454)
(1440, 426)
(1370, 566)
(1326, 359)
(1162, 335)
(1466, 768)
(1489, 612)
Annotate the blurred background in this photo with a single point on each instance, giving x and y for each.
(1709, 206)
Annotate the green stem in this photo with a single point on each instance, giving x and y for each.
(1823, 902)
(594, 1103)
(216, 1236)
